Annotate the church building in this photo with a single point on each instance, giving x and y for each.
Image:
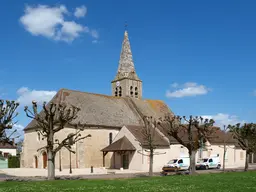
(114, 123)
(104, 117)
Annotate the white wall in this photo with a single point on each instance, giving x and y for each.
(13, 152)
(139, 159)
(234, 157)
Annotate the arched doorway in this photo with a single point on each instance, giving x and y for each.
(36, 162)
(44, 160)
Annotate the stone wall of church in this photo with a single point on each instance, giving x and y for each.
(87, 151)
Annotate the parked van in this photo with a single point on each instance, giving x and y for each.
(212, 162)
(181, 163)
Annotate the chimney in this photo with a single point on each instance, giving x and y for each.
(13, 141)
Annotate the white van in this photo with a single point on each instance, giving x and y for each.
(181, 163)
(212, 162)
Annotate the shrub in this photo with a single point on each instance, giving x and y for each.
(13, 162)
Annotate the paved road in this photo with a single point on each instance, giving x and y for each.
(3, 176)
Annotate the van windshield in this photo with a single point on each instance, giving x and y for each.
(203, 160)
(173, 161)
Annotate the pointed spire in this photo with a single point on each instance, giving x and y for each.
(126, 64)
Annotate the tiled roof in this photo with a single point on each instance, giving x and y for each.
(108, 111)
(158, 139)
(122, 144)
(218, 136)
(7, 146)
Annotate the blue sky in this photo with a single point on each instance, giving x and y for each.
(198, 56)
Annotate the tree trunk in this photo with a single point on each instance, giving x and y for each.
(51, 165)
(224, 156)
(51, 154)
(192, 157)
(151, 158)
(246, 161)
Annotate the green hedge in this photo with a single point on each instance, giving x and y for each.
(13, 162)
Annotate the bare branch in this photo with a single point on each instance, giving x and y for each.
(7, 115)
(53, 118)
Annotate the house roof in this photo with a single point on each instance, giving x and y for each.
(218, 136)
(122, 144)
(108, 111)
(7, 146)
(139, 133)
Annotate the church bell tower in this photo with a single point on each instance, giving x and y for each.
(126, 82)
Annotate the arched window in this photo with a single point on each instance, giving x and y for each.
(136, 92)
(110, 138)
(36, 161)
(116, 92)
(120, 91)
(44, 154)
(131, 91)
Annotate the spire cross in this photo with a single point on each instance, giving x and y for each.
(125, 26)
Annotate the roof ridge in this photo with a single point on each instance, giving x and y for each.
(101, 94)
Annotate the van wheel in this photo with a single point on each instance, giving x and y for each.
(206, 167)
(218, 167)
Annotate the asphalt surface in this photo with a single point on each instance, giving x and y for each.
(3, 176)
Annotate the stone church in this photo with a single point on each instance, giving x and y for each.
(105, 116)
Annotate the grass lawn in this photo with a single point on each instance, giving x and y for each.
(206, 182)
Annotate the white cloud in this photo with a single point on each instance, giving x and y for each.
(26, 96)
(80, 11)
(50, 22)
(222, 119)
(187, 90)
(19, 131)
(94, 34)
(70, 30)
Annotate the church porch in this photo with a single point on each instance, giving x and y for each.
(123, 151)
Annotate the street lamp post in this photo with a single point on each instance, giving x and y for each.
(57, 140)
(71, 142)
(70, 168)
(60, 160)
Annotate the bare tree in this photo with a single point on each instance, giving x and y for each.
(150, 141)
(7, 115)
(227, 137)
(19, 146)
(246, 137)
(191, 135)
(51, 120)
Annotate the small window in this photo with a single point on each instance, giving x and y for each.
(120, 91)
(116, 92)
(136, 92)
(131, 91)
(38, 136)
(110, 138)
(210, 161)
(180, 161)
(6, 155)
